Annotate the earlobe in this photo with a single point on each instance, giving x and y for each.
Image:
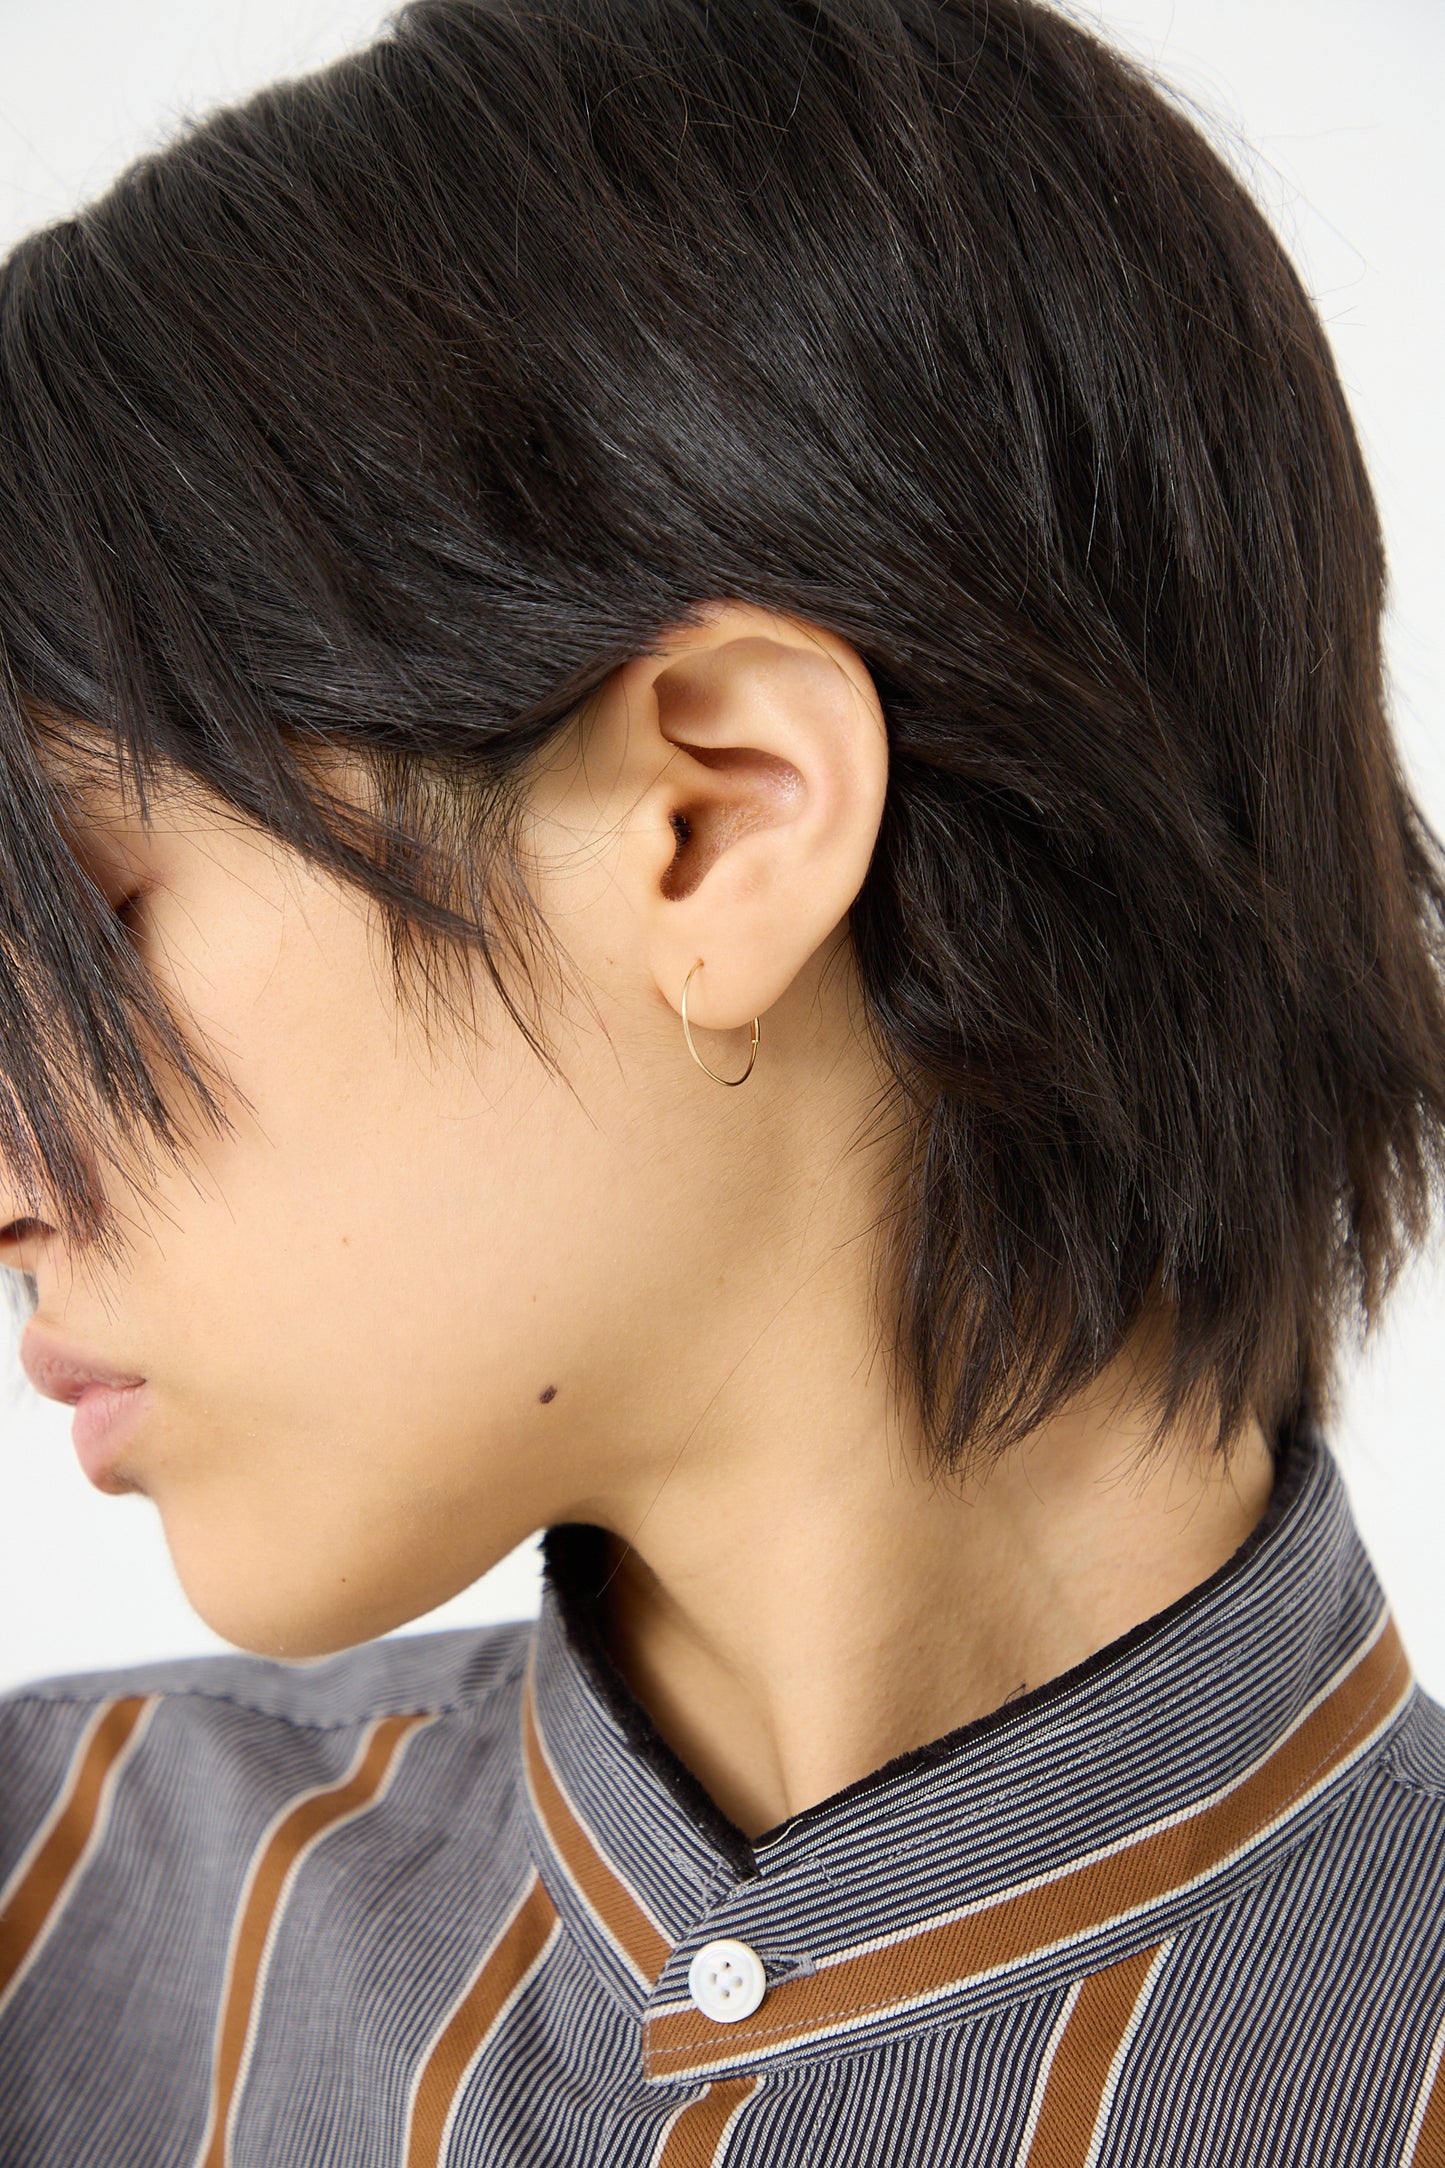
(707, 1067)
(765, 805)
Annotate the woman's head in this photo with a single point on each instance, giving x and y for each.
(853, 493)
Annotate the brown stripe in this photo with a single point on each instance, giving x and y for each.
(309, 1820)
(608, 1896)
(1083, 2058)
(506, 1965)
(1428, 2148)
(695, 2139)
(1011, 1928)
(43, 1886)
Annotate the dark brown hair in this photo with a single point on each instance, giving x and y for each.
(395, 408)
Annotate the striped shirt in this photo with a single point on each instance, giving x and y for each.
(450, 1899)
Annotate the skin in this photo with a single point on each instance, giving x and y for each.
(426, 1299)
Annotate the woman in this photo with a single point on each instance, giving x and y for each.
(701, 849)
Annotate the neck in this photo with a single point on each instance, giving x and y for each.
(800, 1609)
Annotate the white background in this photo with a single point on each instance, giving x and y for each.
(1332, 108)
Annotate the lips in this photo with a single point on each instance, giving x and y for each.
(104, 1421)
(61, 1373)
(108, 1402)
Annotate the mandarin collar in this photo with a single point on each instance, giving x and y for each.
(1074, 1826)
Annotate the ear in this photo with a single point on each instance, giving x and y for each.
(755, 752)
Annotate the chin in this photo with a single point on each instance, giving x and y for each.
(280, 1585)
(264, 1609)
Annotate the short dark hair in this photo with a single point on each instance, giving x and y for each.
(396, 407)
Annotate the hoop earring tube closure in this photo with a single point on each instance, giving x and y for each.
(687, 1034)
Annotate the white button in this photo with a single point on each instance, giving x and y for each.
(727, 1981)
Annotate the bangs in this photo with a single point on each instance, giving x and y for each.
(133, 617)
(84, 1035)
(99, 1083)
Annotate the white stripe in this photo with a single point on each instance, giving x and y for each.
(730, 2126)
(58, 1804)
(98, 1829)
(585, 1828)
(670, 2125)
(258, 1854)
(686, 2109)
(1175, 1820)
(844, 2023)
(1041, 2083)
(1075, 1865)
(429, 2048)
(283, 1895)
(1111, 2083)
(448, 2128)
(1417, 2120)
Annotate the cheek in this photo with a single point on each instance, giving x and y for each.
(388, 1271)
(356, 1312)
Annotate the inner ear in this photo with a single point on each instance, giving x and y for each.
(755, 789)
(703, 833)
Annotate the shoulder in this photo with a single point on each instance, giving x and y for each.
(408, 1673)
(1384, 1841)
(202, 1729)
(1416, 1759)
(1330, 1961)
(1365, 1890)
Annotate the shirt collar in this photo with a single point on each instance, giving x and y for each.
(1072, 1826)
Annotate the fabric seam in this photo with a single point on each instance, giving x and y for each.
(24, 1700)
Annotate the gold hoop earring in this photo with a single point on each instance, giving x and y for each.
(752, 1057)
